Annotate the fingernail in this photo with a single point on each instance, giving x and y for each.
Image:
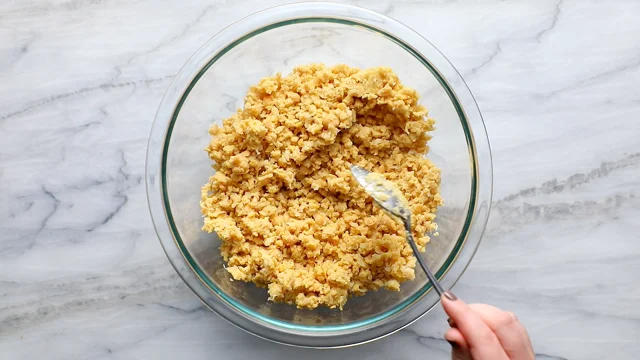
(449, 295)
(453, 345)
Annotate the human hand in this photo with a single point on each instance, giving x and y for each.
(484, 332)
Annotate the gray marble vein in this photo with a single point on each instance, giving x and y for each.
(82, 275)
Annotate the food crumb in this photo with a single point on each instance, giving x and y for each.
(290, 216)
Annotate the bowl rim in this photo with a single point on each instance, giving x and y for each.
(280, 331)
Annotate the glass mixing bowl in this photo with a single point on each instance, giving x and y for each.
(212, 85)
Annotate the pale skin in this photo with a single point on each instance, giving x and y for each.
(484, 332)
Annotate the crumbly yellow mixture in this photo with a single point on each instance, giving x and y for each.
(290, 215)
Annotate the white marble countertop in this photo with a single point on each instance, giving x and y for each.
(82, 274)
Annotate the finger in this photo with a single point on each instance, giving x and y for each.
(510, 333)
(459, 347)
(457, 354)
(455, 336)
(482, 342)
(451, 323)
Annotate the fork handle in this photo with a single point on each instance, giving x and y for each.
(423, 264)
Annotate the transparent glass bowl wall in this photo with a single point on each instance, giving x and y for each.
(212, 86)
